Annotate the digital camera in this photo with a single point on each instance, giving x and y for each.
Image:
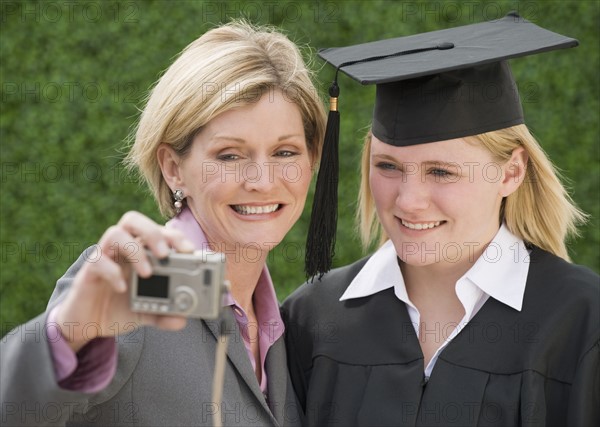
(189, 285)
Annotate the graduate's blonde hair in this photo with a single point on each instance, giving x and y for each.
(227, 67)
(540, 211)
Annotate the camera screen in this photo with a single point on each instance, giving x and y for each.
(154, 286)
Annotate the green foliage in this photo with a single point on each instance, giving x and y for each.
(74, 75)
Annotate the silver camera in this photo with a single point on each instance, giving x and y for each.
(189, 285)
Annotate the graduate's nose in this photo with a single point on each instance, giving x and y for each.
(412, 193)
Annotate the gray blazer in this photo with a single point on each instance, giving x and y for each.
(163, 379)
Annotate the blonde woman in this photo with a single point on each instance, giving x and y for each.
(469, 312)
(226, 143)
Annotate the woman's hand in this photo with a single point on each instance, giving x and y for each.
(98, 302)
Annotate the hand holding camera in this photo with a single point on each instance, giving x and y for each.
(98, 303)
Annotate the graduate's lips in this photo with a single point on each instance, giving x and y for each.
(253, 209)
(420, 225)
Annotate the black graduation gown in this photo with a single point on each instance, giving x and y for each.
(359, 362)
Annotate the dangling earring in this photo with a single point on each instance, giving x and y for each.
(178, 196)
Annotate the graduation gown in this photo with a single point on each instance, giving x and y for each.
(359, 362)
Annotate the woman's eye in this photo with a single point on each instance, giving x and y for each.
(385, 166)
(285, 153)
(227, 157)
(440, 172)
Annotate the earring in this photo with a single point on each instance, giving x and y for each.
(178, 196)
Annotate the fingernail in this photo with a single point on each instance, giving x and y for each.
(146, 268)
(163, 249)
(186, 245)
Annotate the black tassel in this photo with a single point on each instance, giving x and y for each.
(320, 243)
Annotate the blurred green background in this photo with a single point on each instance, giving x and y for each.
(74, 75)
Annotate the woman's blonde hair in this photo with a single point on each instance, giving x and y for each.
(229, 66)
(540, 211)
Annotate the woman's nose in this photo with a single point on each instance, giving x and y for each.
(412, 194)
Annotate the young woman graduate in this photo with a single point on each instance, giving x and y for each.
(470, 312)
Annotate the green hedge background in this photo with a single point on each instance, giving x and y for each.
(74, 74)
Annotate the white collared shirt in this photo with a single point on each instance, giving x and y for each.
(500, 273)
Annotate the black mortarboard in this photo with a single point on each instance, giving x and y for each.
(431, 87)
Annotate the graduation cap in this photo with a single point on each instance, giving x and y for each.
(431, 87)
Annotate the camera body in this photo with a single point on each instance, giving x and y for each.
(189, 285)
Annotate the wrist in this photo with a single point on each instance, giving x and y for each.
(70, 331)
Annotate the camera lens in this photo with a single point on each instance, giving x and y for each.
(184, 300)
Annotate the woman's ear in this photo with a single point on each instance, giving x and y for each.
(515, 171)
(170, 166)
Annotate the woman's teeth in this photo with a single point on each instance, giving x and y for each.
(420, 226)
(255, 210)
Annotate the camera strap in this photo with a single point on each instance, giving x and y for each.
(227, 324)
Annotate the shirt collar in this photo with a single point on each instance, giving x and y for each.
(500, 272)
(380, 272)
(187, 224)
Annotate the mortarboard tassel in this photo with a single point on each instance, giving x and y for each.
(320, 243)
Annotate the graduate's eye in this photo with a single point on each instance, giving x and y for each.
(444, 175)
(386, 166)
